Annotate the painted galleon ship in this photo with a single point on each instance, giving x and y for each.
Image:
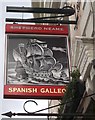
(36, 64)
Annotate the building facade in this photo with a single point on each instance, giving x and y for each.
(82, 51)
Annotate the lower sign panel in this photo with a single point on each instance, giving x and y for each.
(23, 91)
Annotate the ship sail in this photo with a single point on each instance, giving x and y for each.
(16, 56)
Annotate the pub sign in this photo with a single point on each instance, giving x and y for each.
(36, 61)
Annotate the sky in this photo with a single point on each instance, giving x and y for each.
(24, 119)
(15, 105)
(17, 3)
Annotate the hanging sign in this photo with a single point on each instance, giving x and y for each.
(36, 62)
